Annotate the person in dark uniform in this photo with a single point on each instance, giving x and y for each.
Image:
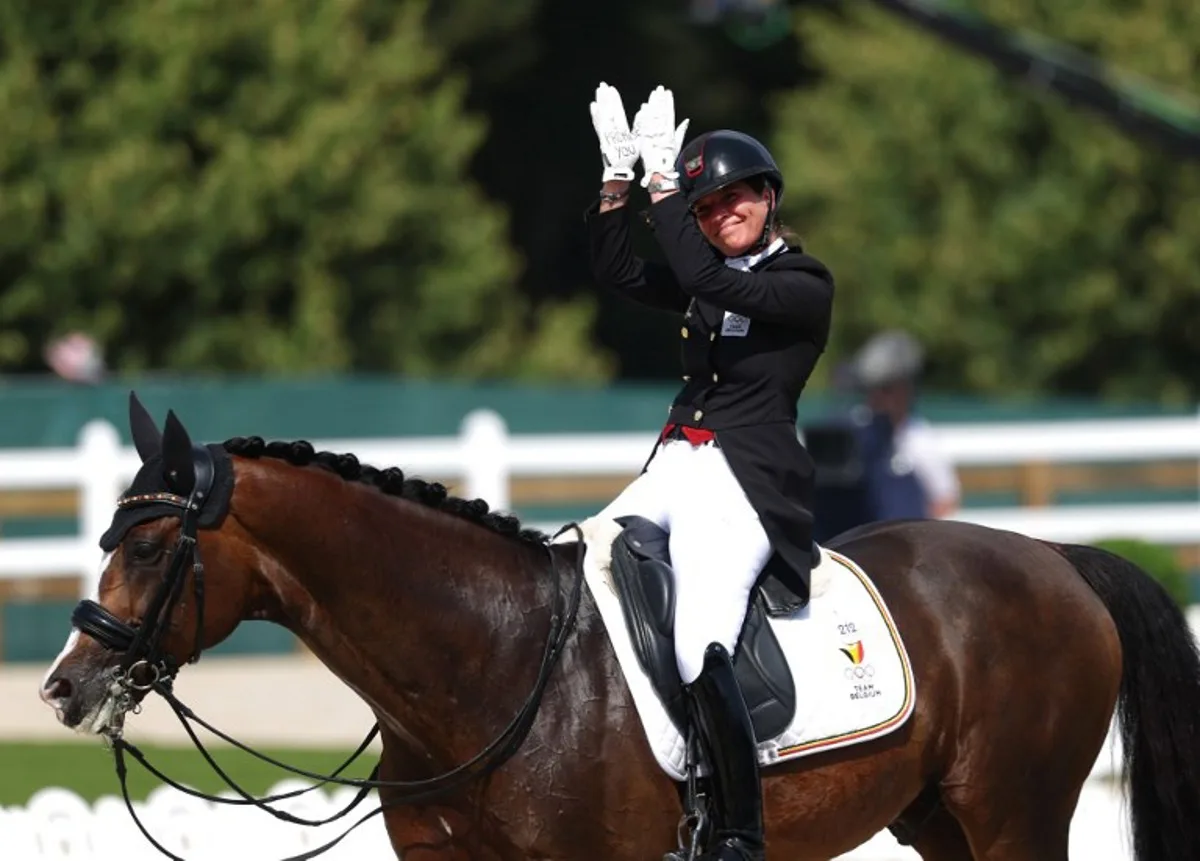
(918, 479)
(728, 478)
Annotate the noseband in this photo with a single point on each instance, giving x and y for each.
(143, 661)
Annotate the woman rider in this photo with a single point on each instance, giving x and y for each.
(729, 479)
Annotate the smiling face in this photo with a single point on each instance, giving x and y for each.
(732, 218)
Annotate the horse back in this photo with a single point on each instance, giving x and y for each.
(1002, 630)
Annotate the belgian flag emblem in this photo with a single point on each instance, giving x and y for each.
(853, 651)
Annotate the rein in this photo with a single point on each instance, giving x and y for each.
(145, 667)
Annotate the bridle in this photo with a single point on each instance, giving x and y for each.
(144, 663)
(145, 666)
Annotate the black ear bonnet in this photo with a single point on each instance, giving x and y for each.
(213, 466)
(177, 478)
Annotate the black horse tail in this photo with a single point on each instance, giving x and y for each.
(1158, 706)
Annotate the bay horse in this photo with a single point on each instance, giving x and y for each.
(438, 614)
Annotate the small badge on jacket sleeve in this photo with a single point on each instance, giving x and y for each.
(735, 326)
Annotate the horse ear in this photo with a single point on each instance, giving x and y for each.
(146, 438)
(179, 468)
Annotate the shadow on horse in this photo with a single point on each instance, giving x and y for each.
(507, 728)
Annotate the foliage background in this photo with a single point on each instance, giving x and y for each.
(396, 186)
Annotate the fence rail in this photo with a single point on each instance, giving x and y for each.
(484, 459)
(59, 825)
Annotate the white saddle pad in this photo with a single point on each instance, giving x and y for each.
(854, 681)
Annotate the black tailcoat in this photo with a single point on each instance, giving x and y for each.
(749, 342)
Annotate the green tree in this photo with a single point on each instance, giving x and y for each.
(534, 65)
(1032, 246)
(271, 186)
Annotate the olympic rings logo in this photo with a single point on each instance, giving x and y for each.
(861, 671)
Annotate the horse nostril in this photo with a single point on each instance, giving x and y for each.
(57, 689)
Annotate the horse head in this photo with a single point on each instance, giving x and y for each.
(158, 605)
(439, 613)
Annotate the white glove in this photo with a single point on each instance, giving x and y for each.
(659, 139)
(618, 146)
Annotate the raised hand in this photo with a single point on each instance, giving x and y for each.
(618, 146)
(659, 139)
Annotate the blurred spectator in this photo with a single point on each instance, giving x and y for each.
(886, 370)
(880, 461)
(76, 357)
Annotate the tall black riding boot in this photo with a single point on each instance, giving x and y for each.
(727, 737)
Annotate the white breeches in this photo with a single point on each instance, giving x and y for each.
(718, 546)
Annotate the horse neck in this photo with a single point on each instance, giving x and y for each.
(436, 622)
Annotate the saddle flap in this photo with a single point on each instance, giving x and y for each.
(763, 674)
(649, 545)
(645, 586)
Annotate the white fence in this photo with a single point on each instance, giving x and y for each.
(484, 457)
(58, 825)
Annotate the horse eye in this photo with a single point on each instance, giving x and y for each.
(144, 551)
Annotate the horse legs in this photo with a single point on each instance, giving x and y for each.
(423, 834)
(944, 840)
(1025, 749)
(1024, 846)
(1037, 827)
(941, 838)
(1019, 807)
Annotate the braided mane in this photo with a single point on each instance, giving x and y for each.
(391, 481)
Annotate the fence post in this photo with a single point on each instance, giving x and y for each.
(100, 477)
(485, 458)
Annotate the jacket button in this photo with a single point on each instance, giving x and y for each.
(712, 336)
(683, 333)
(697, 415)
(687, 378)
(716, 378)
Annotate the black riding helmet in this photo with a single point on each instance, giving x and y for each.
(720, 158)
(717, 159)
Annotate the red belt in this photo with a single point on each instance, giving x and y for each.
(696, 436)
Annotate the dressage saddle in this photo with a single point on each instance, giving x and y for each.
(645, 586)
